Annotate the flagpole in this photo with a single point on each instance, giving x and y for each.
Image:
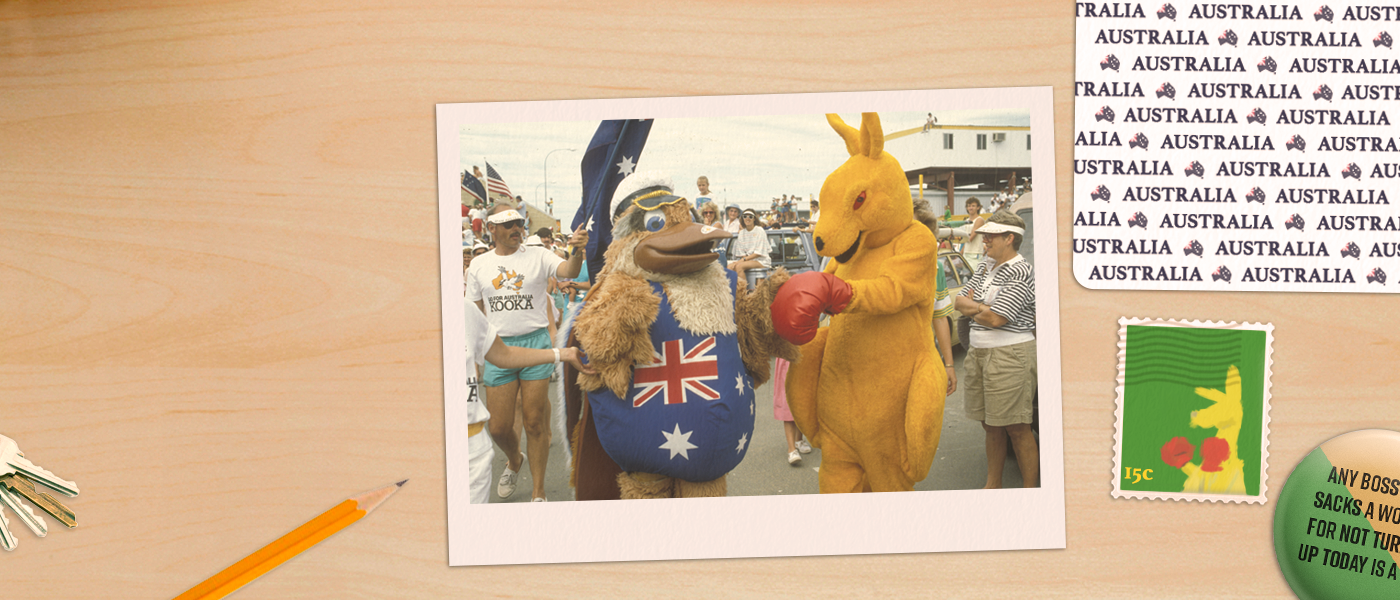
(546, 170)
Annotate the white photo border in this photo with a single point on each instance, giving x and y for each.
(763, 526)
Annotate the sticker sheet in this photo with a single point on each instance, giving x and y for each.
(1236, 147)
(1193, 410)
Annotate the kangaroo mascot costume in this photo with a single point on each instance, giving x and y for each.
(869, 389)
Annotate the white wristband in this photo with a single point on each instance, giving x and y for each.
(556, 356)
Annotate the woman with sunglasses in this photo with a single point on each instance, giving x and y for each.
(1000, 367)
(709, 214)
(751, 247)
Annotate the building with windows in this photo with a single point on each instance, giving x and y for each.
(960, 161)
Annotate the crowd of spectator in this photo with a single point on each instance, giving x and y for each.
(519, 285)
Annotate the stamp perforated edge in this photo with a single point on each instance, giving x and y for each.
(1262, 496)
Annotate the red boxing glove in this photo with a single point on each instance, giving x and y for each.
(1177, 452)
(799, 304)
(1214, 451)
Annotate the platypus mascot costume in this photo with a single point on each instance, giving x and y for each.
(679, 348)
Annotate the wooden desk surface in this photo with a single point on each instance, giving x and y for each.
(219, 296)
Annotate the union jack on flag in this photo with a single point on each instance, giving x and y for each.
(674, 372)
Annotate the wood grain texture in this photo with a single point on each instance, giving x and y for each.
(218, 290)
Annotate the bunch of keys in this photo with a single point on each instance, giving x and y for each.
(17, 479)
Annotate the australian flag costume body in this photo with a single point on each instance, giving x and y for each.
(669, 408)
(690, 413)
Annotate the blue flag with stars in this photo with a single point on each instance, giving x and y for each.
(611, 156)
(472, 186)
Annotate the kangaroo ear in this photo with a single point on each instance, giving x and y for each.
(872, 138)
(848, 133)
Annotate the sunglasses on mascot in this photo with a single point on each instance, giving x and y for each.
(511, 224)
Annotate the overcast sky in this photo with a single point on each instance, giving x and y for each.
(749, 160)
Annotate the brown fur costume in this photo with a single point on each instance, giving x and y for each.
(613, 329)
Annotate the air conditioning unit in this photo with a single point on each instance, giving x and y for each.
(998, 137)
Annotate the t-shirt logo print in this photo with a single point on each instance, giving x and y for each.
(674, 371)
(508, 278)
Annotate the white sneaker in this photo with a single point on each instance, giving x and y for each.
(794, 457)
(505, 487)
(540, 499)
(804, 447)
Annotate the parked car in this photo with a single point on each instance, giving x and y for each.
(791, 249)
(956, 274)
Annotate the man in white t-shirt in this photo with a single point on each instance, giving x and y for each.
(468, 236)
(477, 214)
(816, 213)
(510, 284)
(484, 344)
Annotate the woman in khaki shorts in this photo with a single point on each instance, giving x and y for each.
(1000, 380)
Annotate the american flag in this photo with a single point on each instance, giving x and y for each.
(673, 372)
(495, 184)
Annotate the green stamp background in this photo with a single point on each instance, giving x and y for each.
(1162, 368)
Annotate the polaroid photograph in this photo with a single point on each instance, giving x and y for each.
(716, 327)
(1193, 410)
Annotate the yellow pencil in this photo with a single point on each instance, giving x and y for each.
(244, 571)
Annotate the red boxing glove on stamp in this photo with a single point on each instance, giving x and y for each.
(1177, 452)
(1214, 451)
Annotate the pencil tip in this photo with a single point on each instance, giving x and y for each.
(400, 484)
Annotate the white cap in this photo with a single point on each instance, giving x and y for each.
(505, 216)
(534, 240)
(994, 227)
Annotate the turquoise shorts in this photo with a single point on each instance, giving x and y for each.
(495, 376)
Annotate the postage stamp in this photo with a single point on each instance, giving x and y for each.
(1193, 410)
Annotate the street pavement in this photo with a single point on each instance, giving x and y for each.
(960, 464)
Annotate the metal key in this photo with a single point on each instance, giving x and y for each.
(21, 485)
(13, 461)
(7, 539)
(27, 516)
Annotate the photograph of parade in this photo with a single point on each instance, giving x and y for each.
(753, 305)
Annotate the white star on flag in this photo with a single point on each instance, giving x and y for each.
(677, 442)
(626, 167)
(589, 225)
(743, 441)
(739, 383)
